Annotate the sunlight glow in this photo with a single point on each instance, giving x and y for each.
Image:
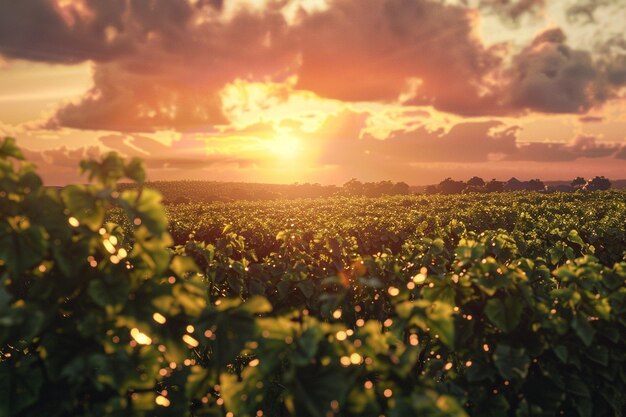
(285, 146)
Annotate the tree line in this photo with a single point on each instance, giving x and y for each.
(478, 185)
(176, 192)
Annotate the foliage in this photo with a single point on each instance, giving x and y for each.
(175, 192)
(597, 183)
(578, 182)
(96, 321)
(366, 226)
(374, 189)
(499, 305)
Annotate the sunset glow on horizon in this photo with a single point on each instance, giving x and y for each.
(318, 90)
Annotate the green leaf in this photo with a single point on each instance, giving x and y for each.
(511, 362)
(598, 354)
(576, 386)
(307, 287)
(145, 204)
(505, 314)
(583, 329)
(313, 388)
(84, 206)
(574, 237)
(29, 179)
(5, 298)
(561, 352)
(23, 247)
(26, 380)
(112, 294)
(439, 319)
(9, 149)
(182, 265)
(307, 344)
(135, 170)
(107, 172)
(256, 305)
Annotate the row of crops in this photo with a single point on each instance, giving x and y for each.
(499, 305)
(366, 226)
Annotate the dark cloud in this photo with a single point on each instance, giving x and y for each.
(41, 30)
(582, 147)
(591, 119)
(583, 11)
(613, 59)
(79, 30)
(549, 76)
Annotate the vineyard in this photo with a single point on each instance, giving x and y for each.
(504, 304)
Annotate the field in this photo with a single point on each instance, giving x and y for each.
(506, 304)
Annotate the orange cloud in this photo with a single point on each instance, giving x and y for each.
(162, 64)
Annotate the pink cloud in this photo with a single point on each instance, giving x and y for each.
(160, 64)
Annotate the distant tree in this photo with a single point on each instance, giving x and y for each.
(494, 186)
(598, 183)
(383, 188)
(513, 185)
(431, 189)
(353, 187)
(578, 182)
(450, 186)
(401, 188)
(476, 182)
(535, 185)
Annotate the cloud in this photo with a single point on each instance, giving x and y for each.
(161, 64)
(513, 9)
(129, 101)
(622, 153)
(357, 53)
(186, 153)
(433, 48)
(582, 147)
(44, 30)
(550, 77)
(158, 64)
(583, 11)
(591, 119)
(465, 142)
(60, 165)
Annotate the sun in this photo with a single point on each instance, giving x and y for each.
(285, 146)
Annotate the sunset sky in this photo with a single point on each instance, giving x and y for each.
(318, 90)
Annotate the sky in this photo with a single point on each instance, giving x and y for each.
(319, 91)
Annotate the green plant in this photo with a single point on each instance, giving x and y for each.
(97, 320)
